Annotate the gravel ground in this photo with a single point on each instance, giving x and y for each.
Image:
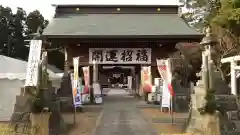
(162, 122)
(121, 116)
(85, 121)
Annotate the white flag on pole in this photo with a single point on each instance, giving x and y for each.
(75, 84)
(163, 70)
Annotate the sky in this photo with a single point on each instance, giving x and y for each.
(45, 6)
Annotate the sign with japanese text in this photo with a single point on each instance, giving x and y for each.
(75, 84)
(33, 63)
(120, 55)
(163, 69)
(85, 93)
(86, 79)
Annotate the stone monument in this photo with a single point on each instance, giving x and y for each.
(23, 110)
(207, 123)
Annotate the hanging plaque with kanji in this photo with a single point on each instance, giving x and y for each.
(120, 55)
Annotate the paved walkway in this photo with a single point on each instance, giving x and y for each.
(121, 117)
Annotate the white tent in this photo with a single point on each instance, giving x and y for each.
(13, 69)
(12, 78)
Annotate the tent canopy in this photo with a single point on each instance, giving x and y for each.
(16, 69)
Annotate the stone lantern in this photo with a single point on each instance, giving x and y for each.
(207, 63)
(198, 123)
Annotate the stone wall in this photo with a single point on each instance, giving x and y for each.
(7, 128)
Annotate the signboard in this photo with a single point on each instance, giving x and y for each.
(33, 63)
(120, 55)
(75, 84)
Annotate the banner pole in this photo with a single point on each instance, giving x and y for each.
(75, 87)
(172, 108)
(74, 115)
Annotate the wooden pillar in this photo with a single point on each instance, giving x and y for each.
(95, 73)
(133, 83)
(66, 60)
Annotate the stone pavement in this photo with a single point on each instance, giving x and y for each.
(121, 116)
(116, 91)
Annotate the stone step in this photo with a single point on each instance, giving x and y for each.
(169, 120)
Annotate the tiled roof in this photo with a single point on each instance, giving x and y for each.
(119, 25)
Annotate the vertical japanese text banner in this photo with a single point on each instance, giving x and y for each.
(76, 93)
(162, 69)
(146, 79)
(33, 63)
(86, 79)
(169, 77)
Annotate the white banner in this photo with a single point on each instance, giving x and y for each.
(75, 83)
(146, 78)
(85, 93)
(33, 63)
(162, 68)
(86, 79)
(166, 97)
(120, 55)
(165, 72)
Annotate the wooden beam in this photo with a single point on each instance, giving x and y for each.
(229, 59)
(69, 41)
(237, 67)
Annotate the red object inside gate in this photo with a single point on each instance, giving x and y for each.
(147, 88)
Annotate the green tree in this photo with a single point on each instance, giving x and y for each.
(6, 17)
(15, 30)
(226, 27)
(200, 12)
(11, 32)
(35, 20)
(19, 49)
(223, 16)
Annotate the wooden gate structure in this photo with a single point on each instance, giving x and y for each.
(233, 69)
(118, 35)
